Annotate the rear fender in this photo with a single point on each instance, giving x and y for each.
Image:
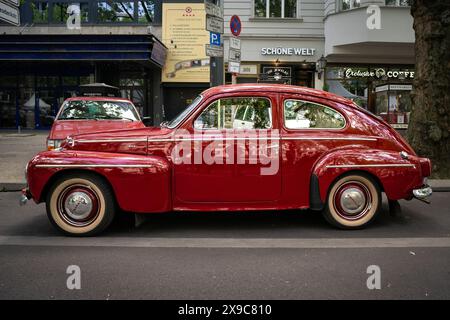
(397, 176)
(140, 183)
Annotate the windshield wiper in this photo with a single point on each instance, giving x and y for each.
(116, 118)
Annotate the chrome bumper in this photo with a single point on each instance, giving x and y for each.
(423, 192)
(25, 196)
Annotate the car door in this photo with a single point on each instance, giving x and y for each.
(310, 127)
(249, 170)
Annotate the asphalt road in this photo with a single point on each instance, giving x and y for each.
(261, 255)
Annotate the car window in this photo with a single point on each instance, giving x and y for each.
(180, 117)
(236, 113)
(98, 110)
(300, 114)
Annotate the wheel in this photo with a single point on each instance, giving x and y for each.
(353, 201)
(80, 205)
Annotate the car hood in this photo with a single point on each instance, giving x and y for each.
(132, 141)
(63, 128)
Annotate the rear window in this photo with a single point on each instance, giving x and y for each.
(98, 110)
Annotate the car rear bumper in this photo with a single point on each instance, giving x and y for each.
(423, 192)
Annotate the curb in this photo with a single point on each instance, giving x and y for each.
(10, 187)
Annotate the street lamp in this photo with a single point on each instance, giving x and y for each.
(320, 66)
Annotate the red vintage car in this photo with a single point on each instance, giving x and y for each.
(240, 147)
(91, 114)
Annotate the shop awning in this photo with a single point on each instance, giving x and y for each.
(145, 48)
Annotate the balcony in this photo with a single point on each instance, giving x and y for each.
(348, 39)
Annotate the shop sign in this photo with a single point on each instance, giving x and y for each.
(378, 73)
(159, 53)
(399, 87)
(288, 51)
(278, 72)
(9, 13)
(249, 69)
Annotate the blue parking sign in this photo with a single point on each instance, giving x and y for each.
(214, 39)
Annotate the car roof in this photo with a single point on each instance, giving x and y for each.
(278, 88)
(96, 98)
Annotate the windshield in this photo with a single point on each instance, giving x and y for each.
(98, 110)
(176, 121)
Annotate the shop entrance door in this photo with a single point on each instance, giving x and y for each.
(8, 108)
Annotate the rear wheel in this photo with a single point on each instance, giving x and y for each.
(353, 201)
(80, 205)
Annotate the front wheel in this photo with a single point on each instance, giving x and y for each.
(353, 201)
(80, 205)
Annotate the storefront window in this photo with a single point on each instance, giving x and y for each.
(275, 8)
(384, 90)
(350, 4)
(115, 11)
(398, 3)
(146, 11)
(40, 12)
(60, 14)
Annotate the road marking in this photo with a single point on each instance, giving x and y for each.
(129, 242)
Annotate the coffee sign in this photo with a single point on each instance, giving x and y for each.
(378, 73)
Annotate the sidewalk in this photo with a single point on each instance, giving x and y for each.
(15, 152)
(17, 149)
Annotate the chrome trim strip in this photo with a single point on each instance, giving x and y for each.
(94, 166)
(330, 138)
(112, 140)
(370, 165)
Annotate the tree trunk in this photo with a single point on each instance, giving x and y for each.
(429, 126)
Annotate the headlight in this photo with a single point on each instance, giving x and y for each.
(26, 172)
(53, 144)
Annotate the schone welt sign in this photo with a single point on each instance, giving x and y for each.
(288, 51)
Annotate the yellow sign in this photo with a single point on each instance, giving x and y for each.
(185, 35)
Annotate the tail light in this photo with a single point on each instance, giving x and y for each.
(425, 165)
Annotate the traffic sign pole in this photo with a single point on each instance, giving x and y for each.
(216, 66)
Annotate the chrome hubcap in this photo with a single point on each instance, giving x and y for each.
(78, 205)
(353, 201)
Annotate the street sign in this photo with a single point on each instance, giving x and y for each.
(214, 24)
(213, 51)
(9, 14)
(212, 9)
(235, 26)
(214, 39)
(234, 67)
(13, 2)
(235, 43)
(234, 55)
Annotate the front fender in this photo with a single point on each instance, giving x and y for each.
(140, 183)
(397, 176)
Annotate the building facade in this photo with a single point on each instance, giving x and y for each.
(281, 41)
(369, 48)
(335, 45)
(47, 58)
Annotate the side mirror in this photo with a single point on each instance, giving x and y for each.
(147, 121)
